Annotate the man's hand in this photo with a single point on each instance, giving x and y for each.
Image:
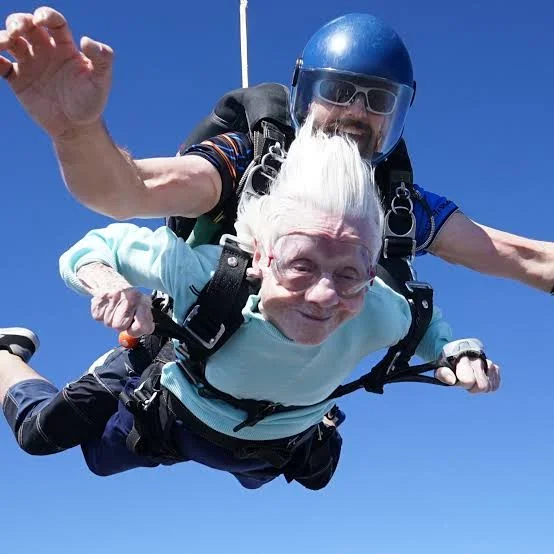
(124, 310)
(471, 375)
(63, 89)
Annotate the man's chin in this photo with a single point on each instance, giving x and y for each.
(362, 140)
(363, 143)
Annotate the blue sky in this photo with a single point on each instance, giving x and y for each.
(424, 469)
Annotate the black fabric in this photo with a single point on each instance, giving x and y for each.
(242, 110)
(219, 304)
(156, 410)
(314, 466)
(153, 422)
(75, 414)
(396, 168)
(80, 411)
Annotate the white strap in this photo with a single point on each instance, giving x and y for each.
(244, 42)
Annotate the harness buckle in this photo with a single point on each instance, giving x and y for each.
(400, 226)
(206, 343)
(144, 399)
(263, 410)
(422, 293)
(391, 367)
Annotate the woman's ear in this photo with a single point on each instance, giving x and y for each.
(255, 271)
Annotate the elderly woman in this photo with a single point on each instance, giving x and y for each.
(319, 310)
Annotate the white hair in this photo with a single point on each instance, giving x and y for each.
(321, 174)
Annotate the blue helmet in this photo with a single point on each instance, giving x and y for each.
(357, 55)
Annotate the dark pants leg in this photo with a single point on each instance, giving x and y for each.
(108, 454)
(45, 420)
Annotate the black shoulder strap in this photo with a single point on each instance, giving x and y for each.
(397, 273)
(394, 176)
(263, 112)
(395, 169)
(217, 312)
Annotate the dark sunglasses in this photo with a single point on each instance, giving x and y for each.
(342, 93)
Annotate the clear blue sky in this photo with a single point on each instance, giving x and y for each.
(424, 469)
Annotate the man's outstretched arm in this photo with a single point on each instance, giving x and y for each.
(107, 180)
(486, 250)
(64, 88)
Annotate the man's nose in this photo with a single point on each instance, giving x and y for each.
(359, 105)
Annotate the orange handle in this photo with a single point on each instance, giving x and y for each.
(127, 341)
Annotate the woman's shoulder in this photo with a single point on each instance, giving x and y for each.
(384, 302)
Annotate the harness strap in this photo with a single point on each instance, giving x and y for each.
(151, 426)
(156, 409)
(217, 312)
(394, 177)
(277, 452)
(269, 144)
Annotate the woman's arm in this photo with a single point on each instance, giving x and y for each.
(145, 258)
(438, 334)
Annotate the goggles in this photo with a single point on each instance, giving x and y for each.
(298, 271)
(340, 92)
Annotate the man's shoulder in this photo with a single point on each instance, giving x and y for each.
(233, 143)
(433, 199)
(431, 211)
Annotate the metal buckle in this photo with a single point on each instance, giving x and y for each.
(391, 367)
(210, 343)
(227, 237)
(401, 207)
(412, 286)
(257, 416)
(423, 292)
(141, 398)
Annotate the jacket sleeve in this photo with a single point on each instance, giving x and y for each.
(437, 335)
(150, 259)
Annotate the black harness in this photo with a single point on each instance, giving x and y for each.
(217, 314)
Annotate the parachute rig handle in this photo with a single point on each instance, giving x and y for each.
(164, 326)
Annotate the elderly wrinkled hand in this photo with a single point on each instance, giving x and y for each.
(124, 310)
(62, 88)
(470, 374)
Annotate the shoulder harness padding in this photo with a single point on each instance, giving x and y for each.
(242, 110)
